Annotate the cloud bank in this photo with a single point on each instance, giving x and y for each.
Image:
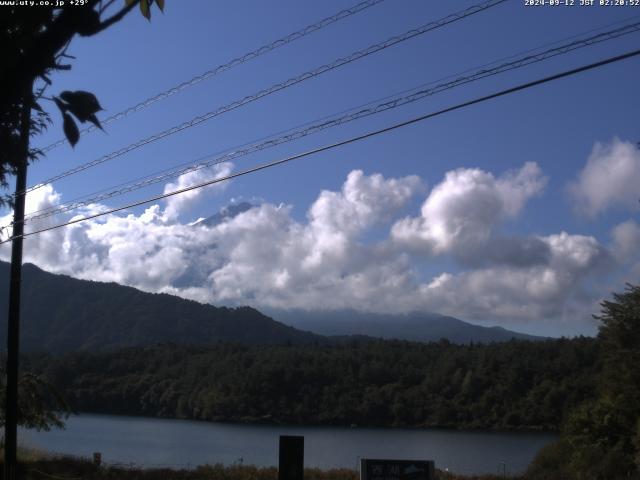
(460, 212)
(610, 179)
(265, 258)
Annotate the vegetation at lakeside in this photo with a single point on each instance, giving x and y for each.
(512, 385)
(600, 439)
(36, 467)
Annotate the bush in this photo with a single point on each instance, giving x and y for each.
(551, 462)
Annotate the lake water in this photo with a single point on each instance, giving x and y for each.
(151, 442)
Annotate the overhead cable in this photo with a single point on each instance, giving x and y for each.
(292, 37)
(395, 126)
(278, 87)
(328, 122)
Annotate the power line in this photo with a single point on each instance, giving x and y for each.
(415, 94)
(324, 148)
(292, 37)
(192, 164)
(279, 86)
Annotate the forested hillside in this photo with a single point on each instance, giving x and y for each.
(60, 313)
(512, 385)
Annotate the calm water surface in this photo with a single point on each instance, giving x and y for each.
(151, 442)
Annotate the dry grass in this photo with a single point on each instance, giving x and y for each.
(37, 465)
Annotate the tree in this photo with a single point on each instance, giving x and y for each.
(601, 439)
(599, 434)
(41, 407)
(33, 44)
(620, 337)
(620, 384)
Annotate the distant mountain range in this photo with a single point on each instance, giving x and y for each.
(418, 327)
(60, 313)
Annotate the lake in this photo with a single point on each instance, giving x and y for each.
(151, 442)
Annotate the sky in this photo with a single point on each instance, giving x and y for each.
(520, 212)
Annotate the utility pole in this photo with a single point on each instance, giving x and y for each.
(13, 333)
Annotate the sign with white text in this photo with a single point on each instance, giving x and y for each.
(375, 469)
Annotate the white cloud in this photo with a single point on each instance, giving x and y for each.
(611, 178)
(461, 212)
(335, 218)
(261, 256)
(264, 257)
(626, 240)
(282, 263)
(181, 203)
(549, 290)
(363, 201)
(626, 249)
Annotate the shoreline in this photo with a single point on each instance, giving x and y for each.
(151, 442)
(257, 422)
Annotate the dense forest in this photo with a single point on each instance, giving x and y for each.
(512, 385)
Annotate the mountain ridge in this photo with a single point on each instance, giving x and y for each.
(61, 313)
(415, 326)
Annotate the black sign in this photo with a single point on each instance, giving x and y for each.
(291, 465)
(374, 469)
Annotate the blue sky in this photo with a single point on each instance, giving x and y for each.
(537, 142)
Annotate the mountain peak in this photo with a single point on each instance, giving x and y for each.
(225, 213)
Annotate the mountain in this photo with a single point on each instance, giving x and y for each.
(60, 313)
(419, 327)
(230, 211)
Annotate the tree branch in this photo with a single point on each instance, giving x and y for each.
(107, 5)
(53, 40)
(117, 17)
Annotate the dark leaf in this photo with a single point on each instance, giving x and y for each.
(160, 4)
(35, 153)
(82, 104)
(36, 106)
(144, 8)
(63, 66)
(86, 98)
(46, 79)
(90, 23)
(93, 119)
(71, 130)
